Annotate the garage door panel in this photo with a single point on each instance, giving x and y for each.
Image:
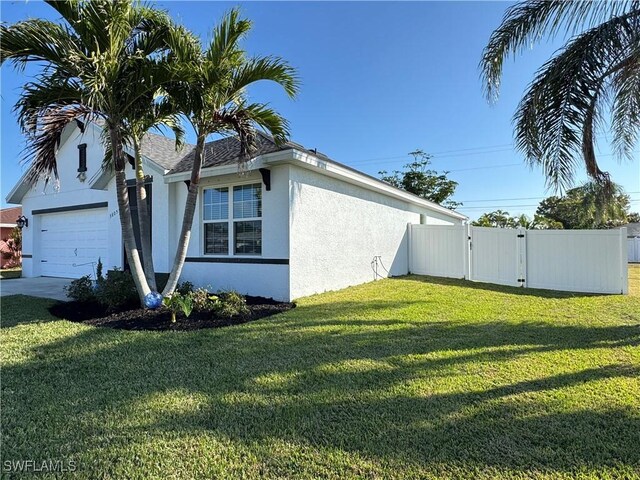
(71, 242)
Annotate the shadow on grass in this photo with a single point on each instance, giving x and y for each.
(490, 287)
(360, 389)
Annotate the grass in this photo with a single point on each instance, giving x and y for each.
(7, 273)
(402, 378)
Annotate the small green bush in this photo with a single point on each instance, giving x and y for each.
(81, 290)
(99, 276)
(117, 290)
(184, 288)
(231, 304)
(204, 301)
(177, 302)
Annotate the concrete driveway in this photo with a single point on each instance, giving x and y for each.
(45, 287)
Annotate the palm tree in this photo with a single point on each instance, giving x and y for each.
(214, 102)
(101, 63)
(152, 114)
(595, 73)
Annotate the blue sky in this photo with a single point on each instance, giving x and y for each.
(378, 81)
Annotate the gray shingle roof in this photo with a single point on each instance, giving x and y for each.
(226, 151)
(162, 150)
(633, 229)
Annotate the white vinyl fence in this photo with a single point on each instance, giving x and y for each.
(592, 261)
(440, 252)
(634, 249)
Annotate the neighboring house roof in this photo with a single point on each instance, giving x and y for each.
(226, 151)
(8, 216)
(633, 229)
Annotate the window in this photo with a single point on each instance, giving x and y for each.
(216, 225)
(82, 157)
(237, 223)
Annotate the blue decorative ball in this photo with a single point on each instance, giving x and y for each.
(153, 300)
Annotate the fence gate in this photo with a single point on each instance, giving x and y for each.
(498, 255)
(572, 260)
(439, 250)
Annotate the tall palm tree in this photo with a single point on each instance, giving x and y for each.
(151, 114)
(215, 102)
(101, 62)
(596, 73)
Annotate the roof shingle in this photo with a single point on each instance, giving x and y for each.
(226, 151)
(162, 150)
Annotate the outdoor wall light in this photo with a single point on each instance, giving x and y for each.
(22, 222)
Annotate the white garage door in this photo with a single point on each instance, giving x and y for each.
(71, 242)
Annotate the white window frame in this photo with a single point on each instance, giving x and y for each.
(229, 220)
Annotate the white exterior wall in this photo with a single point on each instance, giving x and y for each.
(71, 192)
(337, 228)
(264, 279)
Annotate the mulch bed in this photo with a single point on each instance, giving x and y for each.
(142, 319)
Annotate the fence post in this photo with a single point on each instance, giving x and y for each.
(466, 232)
(522, 256)
(624, 262)
(409, 248)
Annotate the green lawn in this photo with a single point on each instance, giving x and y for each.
(402, 378)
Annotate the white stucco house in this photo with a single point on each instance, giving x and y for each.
(291, 224)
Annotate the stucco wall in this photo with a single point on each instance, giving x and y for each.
(338, 228)
(269, 280)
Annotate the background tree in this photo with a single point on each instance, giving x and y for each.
(214, 101)
(496, 219)
(587, 207)
(633, 217)
(502, 219)
(419, 179)
(595, 73)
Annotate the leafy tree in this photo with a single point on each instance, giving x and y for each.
(587, 207)
(496, 219)
(502, 219)
(101, 62)
(419, 179)
(596, 72)
(214, 101)
(633, 217)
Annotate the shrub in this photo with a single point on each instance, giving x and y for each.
(184, 288)
(231, 304)
(81, 290)
(99, 276)
(203, 300)
(117, 290)
(177, 302)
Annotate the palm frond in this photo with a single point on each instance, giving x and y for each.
(557, 117)
(43, 142)
(41, 41)
(272, 69)
(625, 120)
(527, 22)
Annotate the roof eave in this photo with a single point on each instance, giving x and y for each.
(19, 190)
(353, 176)
(327, 167)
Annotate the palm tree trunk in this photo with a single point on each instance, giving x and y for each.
(187, 220)
(144, 221)
(128, 237)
